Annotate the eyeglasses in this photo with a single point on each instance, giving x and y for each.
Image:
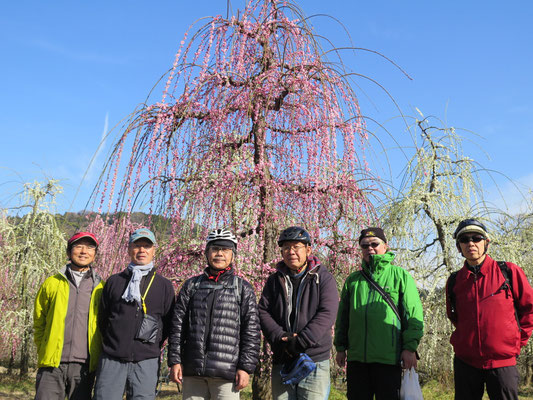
(146, 246)
(467, 239)
(296, 248)
(371, 244)
(216, 249)
(84, 246)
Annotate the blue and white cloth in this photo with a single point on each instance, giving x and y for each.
(133, 290)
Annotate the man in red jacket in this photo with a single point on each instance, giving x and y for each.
(490, 304)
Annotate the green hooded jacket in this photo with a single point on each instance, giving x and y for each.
(367, 328)
(49, 313)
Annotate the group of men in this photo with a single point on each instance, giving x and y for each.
(113, 332)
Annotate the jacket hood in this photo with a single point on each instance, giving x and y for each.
(313, 264)
(378, 262)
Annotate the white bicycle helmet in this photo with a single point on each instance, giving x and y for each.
(221, 234)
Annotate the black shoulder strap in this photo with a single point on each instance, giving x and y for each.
(450, 292)
(507, 275)
(237, 286)
(382, 292)
(508, 285)
(194, 285)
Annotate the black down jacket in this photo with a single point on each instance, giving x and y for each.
(212, 334)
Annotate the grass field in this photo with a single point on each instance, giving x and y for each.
(14, 388)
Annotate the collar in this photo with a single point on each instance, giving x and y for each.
(66, 269)
(69, 267)
(480, 268)
(378, 262)
(215, 276)
(312, 266)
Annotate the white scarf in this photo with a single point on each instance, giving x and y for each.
(133, 291)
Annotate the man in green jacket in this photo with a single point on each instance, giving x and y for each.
(368, 334)
(64, 321)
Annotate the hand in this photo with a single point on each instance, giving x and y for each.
(294, 347)
(288, 336)
(241, 379)
(341, 358)
(176, 374)
(408, 359)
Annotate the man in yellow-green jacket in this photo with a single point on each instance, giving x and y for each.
(64, 320)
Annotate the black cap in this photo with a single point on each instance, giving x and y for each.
(225, 244)
(296, 234)
(470, 225)
(372, 232)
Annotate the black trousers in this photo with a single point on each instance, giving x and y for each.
(368, 379)
(502, 383)
(71, 380)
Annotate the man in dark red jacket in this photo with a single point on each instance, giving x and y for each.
(492, 315)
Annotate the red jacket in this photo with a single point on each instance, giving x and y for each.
(486, 331)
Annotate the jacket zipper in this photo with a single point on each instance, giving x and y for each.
(477, 314)
(210, 306)
(366, 308)
(73, 320)
(286, 283)
(298, 295)
(137, 309)
(366, 323)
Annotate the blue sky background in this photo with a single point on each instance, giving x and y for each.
(71, 70)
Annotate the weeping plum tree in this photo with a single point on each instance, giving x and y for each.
(31, 248)
(441, 187)
(255, 130)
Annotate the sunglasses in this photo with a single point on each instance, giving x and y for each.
(368, 245)
(467, 239)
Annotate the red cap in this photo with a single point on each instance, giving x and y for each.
(81, 235)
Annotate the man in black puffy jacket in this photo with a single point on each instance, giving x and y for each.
(215, 333)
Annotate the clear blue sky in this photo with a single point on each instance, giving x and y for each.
(70, 69)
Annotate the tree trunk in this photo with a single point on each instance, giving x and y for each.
(261, 388)
(11, 364)
(528, 378)
(25, 348)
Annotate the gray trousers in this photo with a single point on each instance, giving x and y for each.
(71, 380)
(201, 388)
(138, 378)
